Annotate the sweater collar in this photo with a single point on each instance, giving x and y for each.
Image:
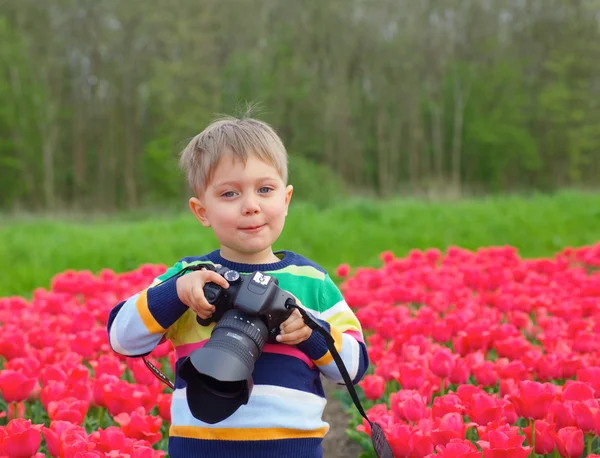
(287, 258)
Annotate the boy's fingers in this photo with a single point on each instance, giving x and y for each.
(294, 321)
(199, 301)
(295, 337)
(210, 276)
(293, 318)
(293, 326)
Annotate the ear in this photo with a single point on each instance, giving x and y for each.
(289, 190)
(199, 210)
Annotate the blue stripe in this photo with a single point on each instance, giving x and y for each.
(304, 448)
(280, 370)
(315, 347)
(164, 303)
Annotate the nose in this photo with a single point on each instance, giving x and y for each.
(250, 206)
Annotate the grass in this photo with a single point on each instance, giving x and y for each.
(34, 249)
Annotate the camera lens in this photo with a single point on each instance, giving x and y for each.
(219, 375)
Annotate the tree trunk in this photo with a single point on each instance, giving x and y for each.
(48, 148)
(460, 100)
(414, 150)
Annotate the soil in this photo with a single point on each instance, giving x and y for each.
(337, 444)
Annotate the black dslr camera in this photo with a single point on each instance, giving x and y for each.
(248, 315)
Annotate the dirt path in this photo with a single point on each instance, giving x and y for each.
(337, 444)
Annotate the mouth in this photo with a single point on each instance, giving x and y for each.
(252, 228)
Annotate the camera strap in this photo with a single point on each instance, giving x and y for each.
(156, 371)
(380, 443)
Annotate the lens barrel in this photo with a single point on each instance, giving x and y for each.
(218, 376)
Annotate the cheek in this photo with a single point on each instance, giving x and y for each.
(276, 211)
(224, 217)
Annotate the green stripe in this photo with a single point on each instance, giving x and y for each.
(330, 295)
(185, 264)
(170, 272)
(179, 265)
(305, 289)
(304, 271)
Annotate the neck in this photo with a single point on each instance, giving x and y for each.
(262, 257)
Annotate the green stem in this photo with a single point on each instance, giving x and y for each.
(532, 423)
(442, 387)
(555, 453)
(590, 439)
(100, 416)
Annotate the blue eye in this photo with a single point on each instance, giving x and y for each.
(228, 194)
(265, 190)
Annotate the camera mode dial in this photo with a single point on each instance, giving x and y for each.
(231, 276)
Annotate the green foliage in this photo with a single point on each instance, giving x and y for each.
(34, 249)
(315, 183)
(164, 179)
(392, 98)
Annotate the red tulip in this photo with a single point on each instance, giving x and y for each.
(15, 386)
(442, 363)
(577, 391)
(484, 409)
(399, 439)
(21, 439)
(447, 404)
(164, 406)
(373, 386)
(544, 436)
(533, 399)
(342, 270)
(450, 426)
(456, 448)
(69, 409)
(138, 425)
(569, 441)
(108, 364)
(590, 376)
(109, 439)
(502, 446)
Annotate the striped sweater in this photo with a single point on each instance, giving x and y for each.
(283, 417)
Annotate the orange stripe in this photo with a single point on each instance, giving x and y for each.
(142, 307)
(245, 434)
(327, 357)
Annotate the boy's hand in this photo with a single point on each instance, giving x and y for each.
(190, 292)
(294, 330)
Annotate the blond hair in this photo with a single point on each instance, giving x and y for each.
(241, 137)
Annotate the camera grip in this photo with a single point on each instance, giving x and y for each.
(204, 322)
(212, 293)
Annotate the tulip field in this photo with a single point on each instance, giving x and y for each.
(474, 353)
(482, 353)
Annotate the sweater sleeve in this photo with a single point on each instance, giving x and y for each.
(340, 321)
(137, 325)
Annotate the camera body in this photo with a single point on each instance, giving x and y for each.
(255, 295)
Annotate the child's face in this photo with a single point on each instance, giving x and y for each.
(246, 207)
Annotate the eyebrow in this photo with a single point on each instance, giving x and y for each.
(229, 183)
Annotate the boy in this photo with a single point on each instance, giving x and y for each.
(238, 170)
